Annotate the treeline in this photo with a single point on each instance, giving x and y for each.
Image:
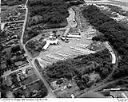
(113, 32)
(79, 67)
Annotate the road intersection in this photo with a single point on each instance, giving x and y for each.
(32, 60)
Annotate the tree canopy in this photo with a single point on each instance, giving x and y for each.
(113, 32)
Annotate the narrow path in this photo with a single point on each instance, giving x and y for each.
(25, 21)
(21, 68)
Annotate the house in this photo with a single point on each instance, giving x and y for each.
(116, 92)
(61, 84)
(74, 36)
(50, 41)
(2, 26)
(8, 81)
(18, 63)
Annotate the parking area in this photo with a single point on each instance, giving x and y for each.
(62, 51)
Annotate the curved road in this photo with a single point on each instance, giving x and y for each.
(31, 60)
(114, 59)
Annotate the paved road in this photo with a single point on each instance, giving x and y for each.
(51, 93)
(31, 61)
(10, 72)
(25, 21)
(114, 59)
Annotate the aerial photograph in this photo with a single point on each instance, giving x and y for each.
(64, 49)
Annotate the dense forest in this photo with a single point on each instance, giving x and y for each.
(113, 32)
(52, 11)
(79, 67)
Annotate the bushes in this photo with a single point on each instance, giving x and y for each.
(34, 47)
